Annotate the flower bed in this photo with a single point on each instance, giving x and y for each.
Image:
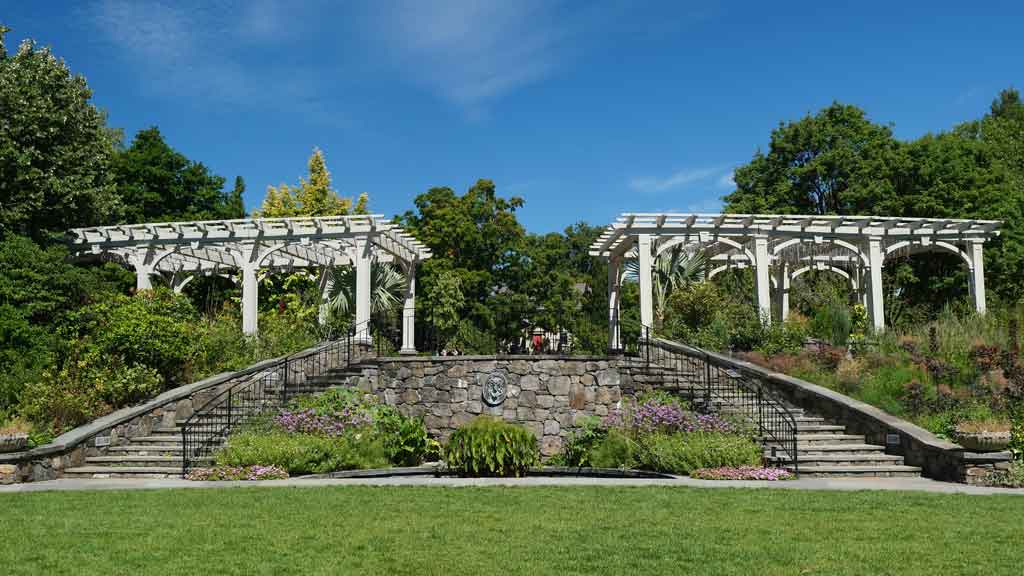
(341, 429)
(219, 473)
(659, 433)
(742, 473)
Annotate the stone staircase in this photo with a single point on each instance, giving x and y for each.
(158, 453)
(825, 450)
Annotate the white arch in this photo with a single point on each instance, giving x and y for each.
(836, 241)
(945, 246)
(717, 239)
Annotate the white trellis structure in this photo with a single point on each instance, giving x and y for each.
(180, 251)
(782, 247)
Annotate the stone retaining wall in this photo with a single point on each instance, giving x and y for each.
(546, 394)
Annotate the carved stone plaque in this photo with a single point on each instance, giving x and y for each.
(495, 389)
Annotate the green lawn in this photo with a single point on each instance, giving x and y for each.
(508, 531)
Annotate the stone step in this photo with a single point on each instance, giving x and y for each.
(876, 471)
(166, 439)
(837, 449)
(123, 472)
(801, 428)
(139, 461)
(145, 449)
(866, 459)
(816, 438)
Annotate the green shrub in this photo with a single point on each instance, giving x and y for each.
(86, 388)
(833, 323)
(683, 453)
(580, 443)
(303, 453)
(405, 439)
(615, 450)
(489, 446)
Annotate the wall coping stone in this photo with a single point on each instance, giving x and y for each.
(76, 436)
(485, 358)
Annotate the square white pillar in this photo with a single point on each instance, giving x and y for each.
(363, 272)
(646, 263)
(614, 292)
(977, 276)
(876, 308)
(409, 311)
(762, 282)
(782, 283)
(250, 300)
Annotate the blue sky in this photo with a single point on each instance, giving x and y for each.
(585, 109)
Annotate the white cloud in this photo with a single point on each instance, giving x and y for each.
(680, 179)
(471, 52)
(189, 49)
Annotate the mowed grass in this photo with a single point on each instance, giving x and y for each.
(509, 531)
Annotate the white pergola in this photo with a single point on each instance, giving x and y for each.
(782, 247)
(180, 251)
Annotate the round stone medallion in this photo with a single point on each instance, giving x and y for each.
(495, 389)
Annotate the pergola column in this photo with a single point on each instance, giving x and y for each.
(762, 281)
(179, 281)
(645, 262)
(977, 276)
(614, 292)
(250, 299)
(363, 272)
(782, 282)
(409, 311)
(142, 279)
(876, 308)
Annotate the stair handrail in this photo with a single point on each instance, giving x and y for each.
(764, 407)
(255, 392)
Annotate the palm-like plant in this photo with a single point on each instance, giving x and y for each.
(387, 288)
(678, 268)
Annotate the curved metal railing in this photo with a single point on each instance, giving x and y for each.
(266, 388)
(712, 385)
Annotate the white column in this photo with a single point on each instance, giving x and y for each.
(782, 291)
(363, 273)
(645, 262)
(977, 276)
(614, 291)
(762, 282)
(250, 299)
(876, 309)
(142, 280)
(326, 284)
(409, 311)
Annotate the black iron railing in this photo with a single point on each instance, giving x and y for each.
(270, 386)
(714, 385)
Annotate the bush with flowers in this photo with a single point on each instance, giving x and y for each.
(660, 433)
(341, 429)
(218, 473)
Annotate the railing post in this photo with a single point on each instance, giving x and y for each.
(229, 406)
(707, 383)
(184, 450)
(760, 410)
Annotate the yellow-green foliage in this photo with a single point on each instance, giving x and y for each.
(489, 446)
(313, 197)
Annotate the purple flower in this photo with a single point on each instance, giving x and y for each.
(309, 422)
(742, 473)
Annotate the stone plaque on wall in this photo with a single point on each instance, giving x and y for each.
(495, 389)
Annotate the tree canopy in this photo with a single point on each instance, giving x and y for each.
(55, 147)
(159, 184)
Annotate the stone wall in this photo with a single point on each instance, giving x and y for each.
(546, 394)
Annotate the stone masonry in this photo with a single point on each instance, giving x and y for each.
(548, 395)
